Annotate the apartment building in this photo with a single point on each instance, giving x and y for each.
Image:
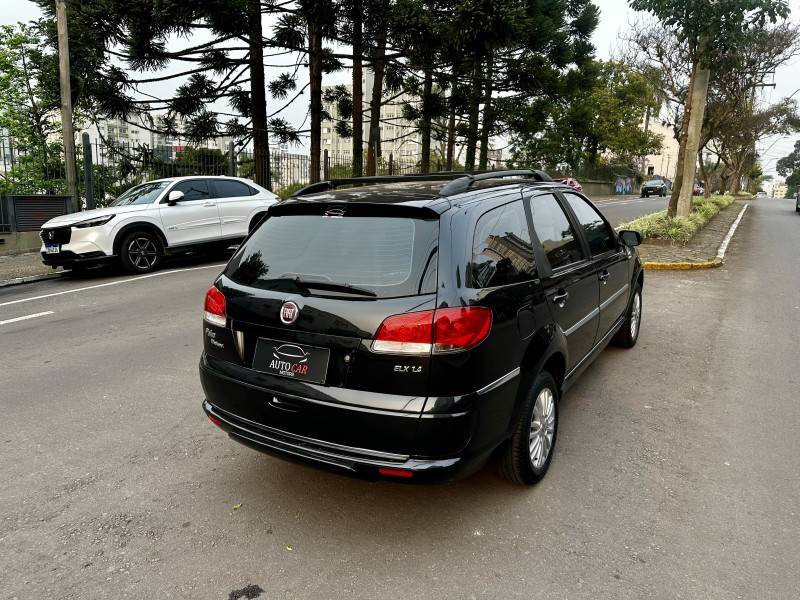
(139, 133)
(665, 162)
(398, 135)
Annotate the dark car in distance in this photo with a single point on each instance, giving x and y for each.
(654, 187)
(410, 328)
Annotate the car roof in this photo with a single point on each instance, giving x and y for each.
(423, 194)
(184, 177)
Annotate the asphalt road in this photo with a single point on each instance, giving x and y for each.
(620, 209)
(675, 476)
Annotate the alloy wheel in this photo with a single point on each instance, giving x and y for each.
(543, 426)
(636, 313)
(142, 253)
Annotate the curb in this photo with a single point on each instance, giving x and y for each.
(31, 279)
(705, 264)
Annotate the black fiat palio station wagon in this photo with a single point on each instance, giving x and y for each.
(409, 328)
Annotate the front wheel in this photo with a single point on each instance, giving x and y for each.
(627, 336)
(530, 449)
(141, 252)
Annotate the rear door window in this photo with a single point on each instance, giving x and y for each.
(230, 188)
(390, 256)
(554, 231)
(502, 253)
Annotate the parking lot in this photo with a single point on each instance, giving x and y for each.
(675, 475)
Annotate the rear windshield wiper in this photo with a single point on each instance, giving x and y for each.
(346, 288)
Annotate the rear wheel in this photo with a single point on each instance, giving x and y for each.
(530, 449)
(626, 337)
(141, 252)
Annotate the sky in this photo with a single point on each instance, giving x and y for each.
(615, 16)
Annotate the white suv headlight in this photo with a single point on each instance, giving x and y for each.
(96, 222)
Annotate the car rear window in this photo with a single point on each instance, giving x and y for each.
(390, 256)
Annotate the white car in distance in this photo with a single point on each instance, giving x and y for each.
(157, 218)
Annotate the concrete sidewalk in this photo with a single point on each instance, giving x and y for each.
(19, 268)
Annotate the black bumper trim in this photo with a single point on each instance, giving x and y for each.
(282, 445)
(301, 443)
(68, 258)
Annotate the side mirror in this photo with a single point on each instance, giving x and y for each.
(630, 238)
(174, 198)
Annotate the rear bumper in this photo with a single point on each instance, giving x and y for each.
(348, 439)
(355, 462)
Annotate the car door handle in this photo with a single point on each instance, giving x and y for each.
(560, 298)
(210, 204)
(604, 277)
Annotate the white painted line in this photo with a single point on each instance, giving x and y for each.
(26, 317)
(723, 247)
(110, 283)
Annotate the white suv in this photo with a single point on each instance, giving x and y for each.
(167, 216)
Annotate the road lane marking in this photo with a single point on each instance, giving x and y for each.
(724, 245)
(26, 317)
(110, 283)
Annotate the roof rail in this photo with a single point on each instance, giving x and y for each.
(332, 184)
(463, 184)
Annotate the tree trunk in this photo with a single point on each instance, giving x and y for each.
(425, 126)
(488, 115)
(672, 208)
(258, 100)
(698, 96)
(704, 173)
(474, 115)
(358, 94)
(451, 138)
(451, 122)
(315, 88)
(378, 64)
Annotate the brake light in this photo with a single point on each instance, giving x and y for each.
(462, 328)
(215, 307)
(439, 331)
(411, 333)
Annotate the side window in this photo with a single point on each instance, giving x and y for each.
(230, 188)
(501, 249)
(554, 232)
(193, 189)
(596, 230)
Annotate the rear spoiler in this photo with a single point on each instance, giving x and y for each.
(339, 210)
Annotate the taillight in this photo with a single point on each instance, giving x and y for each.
(411, 333)
(439, 331)
(461, 328)
(215, 307)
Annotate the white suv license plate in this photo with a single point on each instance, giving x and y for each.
(52, 249)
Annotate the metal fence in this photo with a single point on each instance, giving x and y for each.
(105, 170)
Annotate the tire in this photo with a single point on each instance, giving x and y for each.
(645, 196)
(626, 337)
(141, 252)
(520, 464)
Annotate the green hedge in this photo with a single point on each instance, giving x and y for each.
(679, 229)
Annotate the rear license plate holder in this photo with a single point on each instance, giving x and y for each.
(291, 360)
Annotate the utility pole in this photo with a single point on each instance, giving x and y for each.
(66, 103)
